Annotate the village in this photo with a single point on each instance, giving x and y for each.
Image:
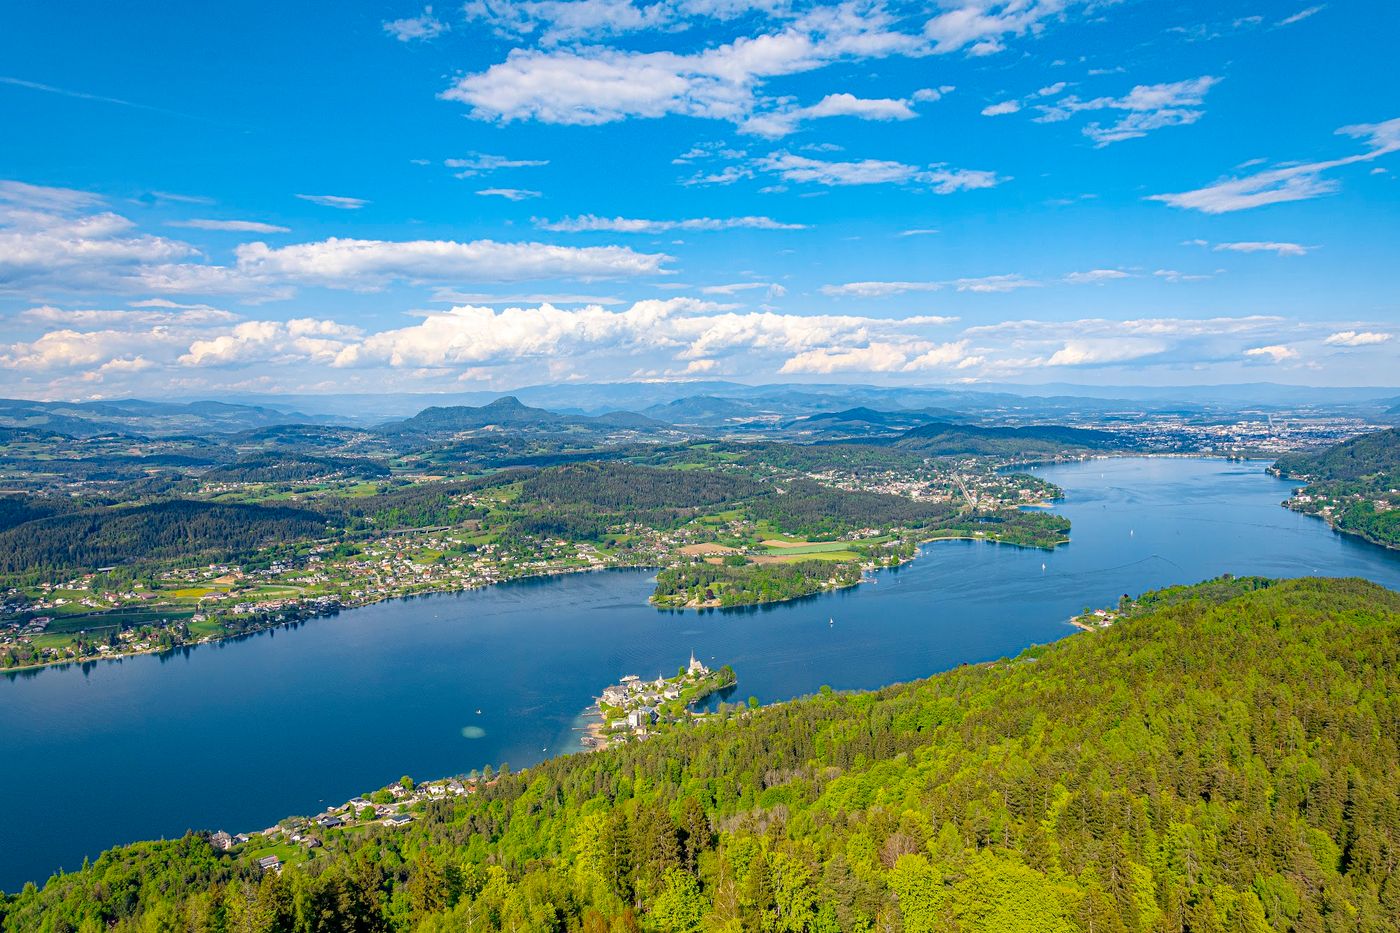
(294, 840)
(633, 709)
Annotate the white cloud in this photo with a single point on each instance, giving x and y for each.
(511, 194)
(782, 122)
(1355, 338)
(1295, 182)
(1150, 107)
(233, 226)
(939, 178)
(1098, 352)
(994, 283)
(422, 27)
(301, 339)
(1173, 275)
(986, 284)
(1282, 249)
(878, 289)
(592, 85)
(163, 314)
(337, 201)
(40, 198)
(479, 163)
(980, 26)
(1005, 107)
(1274, 353)
(1302, 15)
(591, 222)
(773, 289)
(361, 264)
(931, 94)
(556, 21)
(1096, 276)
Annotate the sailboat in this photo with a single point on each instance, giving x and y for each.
(831, 621)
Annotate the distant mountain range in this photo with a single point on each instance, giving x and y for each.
(813, 412)
(86, 419)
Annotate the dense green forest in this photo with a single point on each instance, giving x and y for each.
(171, 529)
(283, 467)
(942, 439)
(748, 584)
(1227, 761)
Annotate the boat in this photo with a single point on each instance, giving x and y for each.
(831, 621)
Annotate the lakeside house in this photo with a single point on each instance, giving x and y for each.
(270, 863)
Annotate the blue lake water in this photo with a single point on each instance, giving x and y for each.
(239, 734)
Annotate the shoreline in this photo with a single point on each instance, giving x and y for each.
(209, 640)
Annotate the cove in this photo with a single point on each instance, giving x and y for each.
(239, 734)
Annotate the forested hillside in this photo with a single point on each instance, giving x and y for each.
(1354, 485)
(1227, 761)
(1357, 459)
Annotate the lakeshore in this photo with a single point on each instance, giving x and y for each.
(311, 715)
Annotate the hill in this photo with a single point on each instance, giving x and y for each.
(82, 419)
(941, 438)
(1225, 759)
(1357, 459)
(1352, 485)
(176, 528)
(275, 467)
(510, 412)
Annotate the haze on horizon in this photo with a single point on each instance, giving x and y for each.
(259, 199)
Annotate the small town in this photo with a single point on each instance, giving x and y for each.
(634, 708)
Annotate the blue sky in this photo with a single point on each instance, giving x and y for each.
(334, 197)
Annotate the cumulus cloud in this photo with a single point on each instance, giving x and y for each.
(586, 223)
(1356, 338)
(301, 339)
(1108, 350)
(1273, 353)
(1290, 182)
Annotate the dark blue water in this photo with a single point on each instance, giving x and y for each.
(240, 734)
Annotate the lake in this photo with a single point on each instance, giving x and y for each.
(237, 735)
